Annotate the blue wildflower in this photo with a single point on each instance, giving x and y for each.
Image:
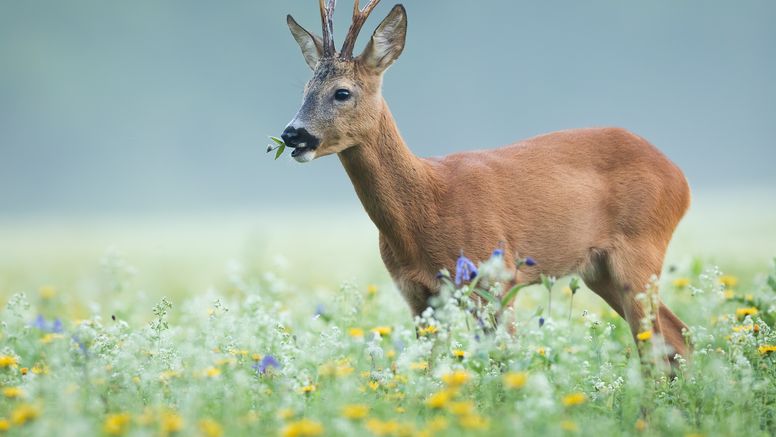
(530, 262)
(465, 270)
(265, 363)
(43, 325)
(541, 321)
(320, 310)
(498, 252)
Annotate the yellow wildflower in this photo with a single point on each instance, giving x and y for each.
(5, 425)
(458, 353)
(355, 411)
(171, 422)
(439, 399)
(239, 352)
(388, 427)
(541, 351)
(256, 357)
(456, 378)
(748, 311)
(307, 389)
(728, 281)
(343, 369)
(428, 330)
(572, 399)
(12, 392)
(419, 365)
(374, 385)
(168, 375)
(212, 372)
(640, 425)
(515, 379)
(24, 413)
(40, 369)
(766, 349)
(8, 361)
(371, 290)
(681, 282)
(356, 332)
(382, 330)
(24, 370)
(461, 408)
(644, 335)
(473, 421)
(116, 424)
(47, 292)
(568, 425)
(400, 410)
(210, 428)
(729, 294)
(755, 328)
(302, 428)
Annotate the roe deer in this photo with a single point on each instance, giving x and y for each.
(599, 202)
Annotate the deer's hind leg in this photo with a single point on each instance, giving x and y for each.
(623, 273)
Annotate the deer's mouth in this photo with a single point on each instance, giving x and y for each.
(302, 148)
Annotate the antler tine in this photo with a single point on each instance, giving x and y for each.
(359, 18)
(327, 20)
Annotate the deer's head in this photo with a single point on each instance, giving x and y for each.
(343, 100)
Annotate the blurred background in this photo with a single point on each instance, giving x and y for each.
(142, 126)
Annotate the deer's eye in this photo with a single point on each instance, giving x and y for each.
(341, 95)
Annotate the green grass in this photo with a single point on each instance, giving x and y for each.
(199, 303)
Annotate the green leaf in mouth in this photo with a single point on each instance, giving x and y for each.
(279, 145)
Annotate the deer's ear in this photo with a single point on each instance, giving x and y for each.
(387, 42)
(311, 45)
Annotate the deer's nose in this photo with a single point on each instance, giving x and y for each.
(290, 136)
(299, 138)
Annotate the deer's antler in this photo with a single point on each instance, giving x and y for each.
(327, 20)
(359, 18)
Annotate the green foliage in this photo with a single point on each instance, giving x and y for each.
(279, 146)
(260, 357)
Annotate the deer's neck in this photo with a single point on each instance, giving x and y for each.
(395, 186)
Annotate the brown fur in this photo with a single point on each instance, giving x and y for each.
(601, 202)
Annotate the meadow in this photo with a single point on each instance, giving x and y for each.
(286, 323)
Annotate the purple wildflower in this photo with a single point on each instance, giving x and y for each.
(541, 321)
(465, 270)
(43, 325)
(498, 252)
(530, 262)
(320, 310)
(265, 363)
